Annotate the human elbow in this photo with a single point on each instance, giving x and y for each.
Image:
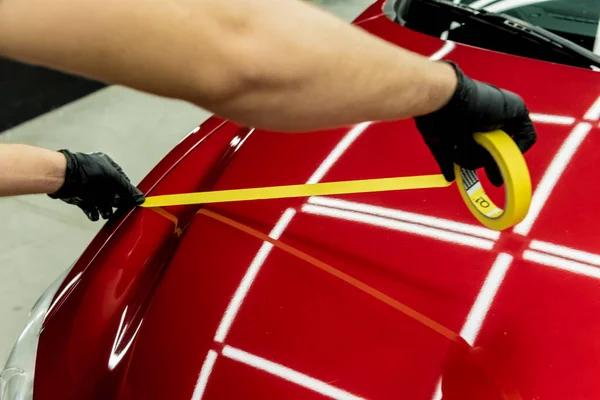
(247, 64)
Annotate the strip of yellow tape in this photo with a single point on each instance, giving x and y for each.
(316, 189)
(499, 144)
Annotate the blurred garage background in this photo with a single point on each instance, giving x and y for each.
(40, 238)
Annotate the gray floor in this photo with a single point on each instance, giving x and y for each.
(40, 238)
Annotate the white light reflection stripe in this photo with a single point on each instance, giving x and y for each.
(594, 112)
(337, 152)
(399, 226)
(480, 4)
(250, 276)
(189, 134)
(552, 119)
(406, 216)
(505, 5)
(552, 175)
(288, 374)
(561, 263)
(443, 52)
(566, 252)
(205, 372)
(117, 356)
(485, 298)
(597, 41)
(62, 294)
(437, 395)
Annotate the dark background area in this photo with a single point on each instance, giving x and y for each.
(27, 91)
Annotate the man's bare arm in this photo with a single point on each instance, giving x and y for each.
(30, 170)
(274, 64)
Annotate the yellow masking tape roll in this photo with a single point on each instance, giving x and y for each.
(504, 150)
(517, 183)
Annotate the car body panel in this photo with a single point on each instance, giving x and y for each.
(179, 305)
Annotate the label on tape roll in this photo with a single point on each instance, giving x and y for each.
(480, 199)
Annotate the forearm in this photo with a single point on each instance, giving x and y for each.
(321, 72)
(30, 170)
(275, 64)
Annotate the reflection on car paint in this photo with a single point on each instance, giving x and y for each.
(553, 173)
(593, 114)
(552, 119)
(416, 218)
(399, 225)
(250, 276)
(63, 292)
(119, 348)
(287, 373)
(337, 152)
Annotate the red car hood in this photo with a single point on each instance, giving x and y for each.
(368, 293)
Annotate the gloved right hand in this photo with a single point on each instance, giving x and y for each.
(474, 107)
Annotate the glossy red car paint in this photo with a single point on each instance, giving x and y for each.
(150, 312)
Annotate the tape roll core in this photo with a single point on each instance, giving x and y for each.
(517, 183)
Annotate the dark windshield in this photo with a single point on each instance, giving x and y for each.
(559, 31)
(575, 20)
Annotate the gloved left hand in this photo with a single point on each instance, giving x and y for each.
(96, 184)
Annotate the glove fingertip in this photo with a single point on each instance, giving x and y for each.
(449, 174)
(137, 197)
(92, 215)
(443, 158)
(106, 213)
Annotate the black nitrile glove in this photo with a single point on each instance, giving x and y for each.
(96, 184)
(474, 107)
